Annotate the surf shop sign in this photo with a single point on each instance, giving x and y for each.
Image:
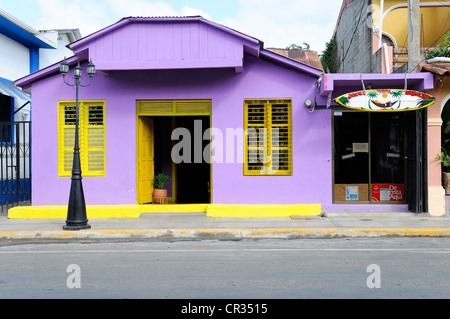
(386, 100)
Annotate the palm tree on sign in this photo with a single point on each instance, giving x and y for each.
(371, 96)
(397, 95)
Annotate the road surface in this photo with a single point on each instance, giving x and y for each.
(210, 269)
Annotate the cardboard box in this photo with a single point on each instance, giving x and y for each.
(351, 192)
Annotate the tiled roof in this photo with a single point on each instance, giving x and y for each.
(437, 68)
(308, 57)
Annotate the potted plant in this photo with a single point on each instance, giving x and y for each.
(445, 158)
(159, 192)
(442, 50)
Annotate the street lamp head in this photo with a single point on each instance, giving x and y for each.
(77, 71)
(64, 67)
(91, 69)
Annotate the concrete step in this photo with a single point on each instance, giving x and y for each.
(373, 214)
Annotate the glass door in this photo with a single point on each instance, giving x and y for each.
(387, 137)
(351, 156)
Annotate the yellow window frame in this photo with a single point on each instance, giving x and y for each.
(91, 137)
(268, 137)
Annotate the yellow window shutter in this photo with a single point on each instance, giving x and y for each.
(91, 137)
(195, 107)
(256, 138)
(95, 140)
(66, 137)
(281, 137)
(268, 140)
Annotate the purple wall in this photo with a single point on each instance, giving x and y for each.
(149, 45)
(311, 179)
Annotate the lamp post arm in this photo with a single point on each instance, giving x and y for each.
(67, 83)
(86, 85)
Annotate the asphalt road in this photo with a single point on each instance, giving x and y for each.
(210, 269)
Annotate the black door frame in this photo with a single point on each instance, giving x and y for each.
(417, 159)
(416, 181)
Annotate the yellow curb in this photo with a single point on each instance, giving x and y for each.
(99, 211)
(60, 212)
(206, 233)
(134, 211)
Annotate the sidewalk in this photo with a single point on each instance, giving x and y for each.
(196, 226)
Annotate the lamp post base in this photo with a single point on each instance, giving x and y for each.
(76, 226)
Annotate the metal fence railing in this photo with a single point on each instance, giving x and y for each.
(15, 164)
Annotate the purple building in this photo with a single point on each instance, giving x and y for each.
(229, 122)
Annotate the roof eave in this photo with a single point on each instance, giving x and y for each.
(81, 42)
(335, 84)
(291, 63)
(252, 45)
(28, 37)
(26, 81)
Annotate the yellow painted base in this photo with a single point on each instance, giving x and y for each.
(134, 211)
(174, 208)
(58, 212)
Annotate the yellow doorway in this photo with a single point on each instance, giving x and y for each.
(147, 113)
(146, 149)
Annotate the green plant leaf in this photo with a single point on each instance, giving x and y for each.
(160, 180)
(442, 49)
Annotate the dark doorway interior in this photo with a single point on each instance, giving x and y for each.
(163, 147)
(193, 178)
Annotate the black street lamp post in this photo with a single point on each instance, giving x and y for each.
(76, 212)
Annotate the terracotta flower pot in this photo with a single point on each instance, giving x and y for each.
(446, 182)
(160, 196)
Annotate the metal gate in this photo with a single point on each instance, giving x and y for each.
(15, 164)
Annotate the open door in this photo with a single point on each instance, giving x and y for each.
(146, 150)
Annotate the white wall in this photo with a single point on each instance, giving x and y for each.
(14, 59)
(14, 64)
(51, 56)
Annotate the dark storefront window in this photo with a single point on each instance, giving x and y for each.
(369, 157)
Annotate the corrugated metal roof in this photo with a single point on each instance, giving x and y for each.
(13, 91)
(124, 21)
(305, 56)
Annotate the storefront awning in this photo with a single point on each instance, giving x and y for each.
(337, 84)
(13, 91)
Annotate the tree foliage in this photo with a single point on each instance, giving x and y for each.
(328, 57)
(298, 47)
(442, 49)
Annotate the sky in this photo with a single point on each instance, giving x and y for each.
(278, 23)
